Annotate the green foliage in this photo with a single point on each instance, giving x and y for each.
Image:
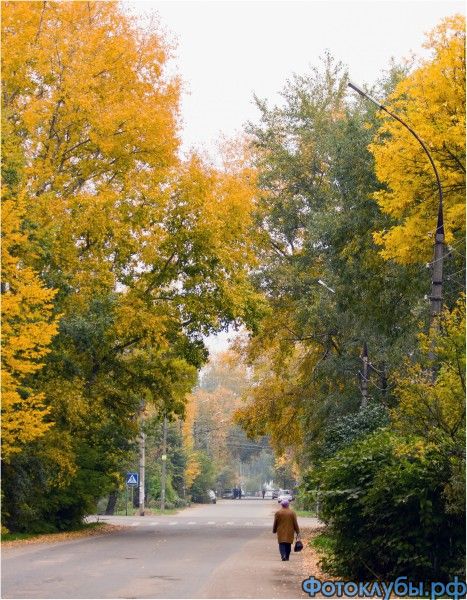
(24, 507)
(175, 464)
(431, 392)
(352, 427)
(204, 480)
(154, 490)
(35, 502)
(226, 478)
(384, 500)
(317, 214)
(431, 398)
(390, 477)
(148, 252)
(395, 500)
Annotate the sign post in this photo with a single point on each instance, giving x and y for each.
(164, 464)
(131, 481)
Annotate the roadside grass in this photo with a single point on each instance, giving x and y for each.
(305, 513)
(148, 511)
(84, 528)
(167, 511)
(322, 543)
(12, 537)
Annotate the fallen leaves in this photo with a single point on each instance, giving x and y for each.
(51, 538)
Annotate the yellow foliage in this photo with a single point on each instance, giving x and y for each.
(28, 327)
(85, 88)
(274, 399)
(193, 467)
(432, 101)
(426, 407)
(105, 189)
(146, 250)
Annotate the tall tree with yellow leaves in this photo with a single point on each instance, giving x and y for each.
(432, 100)
(147, 252)
(28, 323)
(192, 467)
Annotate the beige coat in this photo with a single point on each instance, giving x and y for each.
(285, 525)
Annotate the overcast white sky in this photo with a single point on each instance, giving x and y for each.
(228, 50)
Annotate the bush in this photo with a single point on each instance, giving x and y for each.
(385, 502)
(352, 427)
(204, 480)
(34, 503)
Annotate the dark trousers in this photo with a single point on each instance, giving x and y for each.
(284, 549)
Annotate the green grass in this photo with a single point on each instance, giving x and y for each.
(11, 537)
(305, 513)
(323, 543)
(167, 511)
(152, 511)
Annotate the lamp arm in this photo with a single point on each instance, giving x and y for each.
(423, 145)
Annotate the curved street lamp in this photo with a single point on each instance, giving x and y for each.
(436, 297)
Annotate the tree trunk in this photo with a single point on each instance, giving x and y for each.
(111, 503)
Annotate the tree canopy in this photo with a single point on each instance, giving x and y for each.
(432, 100)
(132, 253)
(347, 377)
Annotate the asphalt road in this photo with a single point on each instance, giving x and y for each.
(224, 550)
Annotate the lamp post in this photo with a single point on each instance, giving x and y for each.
(142, 462)
(164, 463)
(436, 297)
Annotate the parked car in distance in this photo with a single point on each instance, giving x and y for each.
(227, 494)
(275, 494)
(285, 495)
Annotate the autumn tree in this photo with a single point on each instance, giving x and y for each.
(432, 100)
(316, 210)
(395, 499)
(147, 252)
(28, 323)
(214, 432)
(193, 465)
(435, 410)
(333, 294)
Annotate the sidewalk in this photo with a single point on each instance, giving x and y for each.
(256, 571)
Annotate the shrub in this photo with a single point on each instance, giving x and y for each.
(204, 480)
(352, 427)
(385, 502)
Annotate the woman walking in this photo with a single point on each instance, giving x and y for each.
(285, 525)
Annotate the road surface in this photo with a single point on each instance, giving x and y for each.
(224, 550)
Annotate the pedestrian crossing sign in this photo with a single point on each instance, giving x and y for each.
(132, 478)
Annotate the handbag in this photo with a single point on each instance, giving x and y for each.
(298, 545)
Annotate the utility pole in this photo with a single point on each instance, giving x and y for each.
(164, 463)
(364, 376)
(142, 468)
(384, 383)
(436, 297)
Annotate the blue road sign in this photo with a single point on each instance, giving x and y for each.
(132, 478)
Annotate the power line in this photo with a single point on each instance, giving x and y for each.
(455, 273)
(451, 248)
(246, 445)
